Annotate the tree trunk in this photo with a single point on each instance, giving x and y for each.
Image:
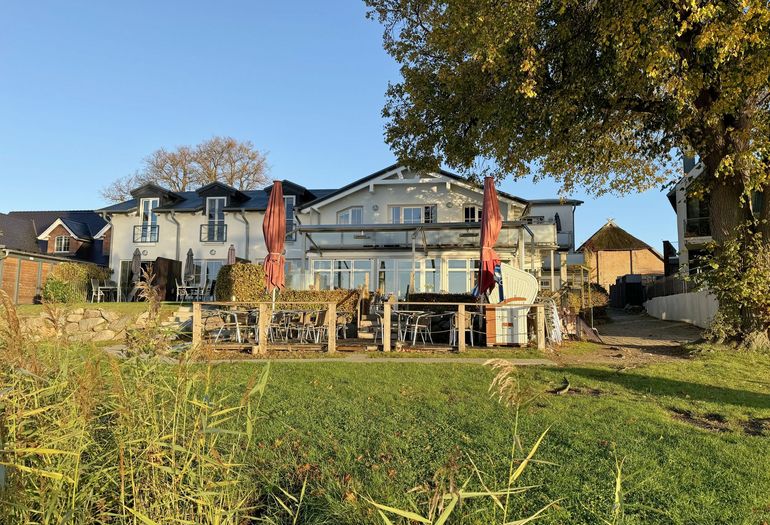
(726, 210)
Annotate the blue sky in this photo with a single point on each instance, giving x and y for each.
(88, 89)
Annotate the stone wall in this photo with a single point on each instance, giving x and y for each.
(83, 324)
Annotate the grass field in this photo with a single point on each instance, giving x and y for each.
(692, 435)
(684, 431)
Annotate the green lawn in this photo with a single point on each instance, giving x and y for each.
(381, 429)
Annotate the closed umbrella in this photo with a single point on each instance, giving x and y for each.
(491, 224)
(231, 254)
(136, 273)
(189, 267)
(274, 230)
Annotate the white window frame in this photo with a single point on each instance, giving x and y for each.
(65, 248)
(220, 210)
(397, 213)
(476, 213)
(290, 221)
(148, 216)
(346, 216)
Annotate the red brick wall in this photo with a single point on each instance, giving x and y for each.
(61, 230)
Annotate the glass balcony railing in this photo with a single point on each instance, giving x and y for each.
(433, 236)
(697, 227)
(146, 233)
(213, 232)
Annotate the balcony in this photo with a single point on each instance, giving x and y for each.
(697, 227)
(146, 233)
(213, 232)
(421, 236)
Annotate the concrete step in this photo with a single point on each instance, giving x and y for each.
(365, 335)
(365, 323)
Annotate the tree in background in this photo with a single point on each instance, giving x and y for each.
(598, 93)
(224, 159)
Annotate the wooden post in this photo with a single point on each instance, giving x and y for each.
(387, 307)
(264, 325)
(331, 327)
(197, 328)
(540, 323)
(461, 328)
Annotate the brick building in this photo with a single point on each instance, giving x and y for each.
(81, 235)
(612, 252)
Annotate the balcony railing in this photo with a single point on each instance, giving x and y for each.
(697, 227)
(338, 237)
(146, 233)
(213, 232)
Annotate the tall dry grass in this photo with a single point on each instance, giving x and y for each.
(85, 438)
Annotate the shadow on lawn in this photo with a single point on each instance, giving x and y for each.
(675, 388)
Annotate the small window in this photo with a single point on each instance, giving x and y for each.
(288, 202)
(472, 214)
(429, 214)
(62, 244)
(354, 215)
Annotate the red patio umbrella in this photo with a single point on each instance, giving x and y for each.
(274, 230)
(491, 224)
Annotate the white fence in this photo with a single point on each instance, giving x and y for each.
(696, 308)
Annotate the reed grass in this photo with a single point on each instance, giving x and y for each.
(89, 439)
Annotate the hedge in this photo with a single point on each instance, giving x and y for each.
(69, 282)
(245, 282)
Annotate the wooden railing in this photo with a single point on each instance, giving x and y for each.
(263, 313)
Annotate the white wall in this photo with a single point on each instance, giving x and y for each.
(449, 196)
(696, 308)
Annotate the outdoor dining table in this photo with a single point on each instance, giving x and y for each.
(409, 316)
(109, 290)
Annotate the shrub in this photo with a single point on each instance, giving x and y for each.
(245, 282)
(69, 282)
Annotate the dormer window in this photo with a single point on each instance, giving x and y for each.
(216, 229)
(62, 244)
(289, 201)
(148, 231)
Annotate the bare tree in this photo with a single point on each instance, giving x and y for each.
(224, 159)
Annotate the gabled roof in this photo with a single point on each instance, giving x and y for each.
(193, 201)
(78, 230)
(377, 174)
(18, 234)
(84, 223)
(612, 237)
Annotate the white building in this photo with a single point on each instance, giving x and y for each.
(380, 229)
(692, 217)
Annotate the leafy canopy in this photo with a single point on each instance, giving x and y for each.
(596, 93)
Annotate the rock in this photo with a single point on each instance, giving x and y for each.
(77, 311)
(75, 318)
(71, 328)
(119, 324)
(104, 335)
(109, 316)
(88, 324)
(92, 314)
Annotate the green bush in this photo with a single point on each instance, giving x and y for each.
(245, 282)
(70, 282)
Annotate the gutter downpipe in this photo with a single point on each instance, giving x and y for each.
(178, 226)
(242, 213)
(532, 235)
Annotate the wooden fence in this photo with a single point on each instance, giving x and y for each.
(262, 312)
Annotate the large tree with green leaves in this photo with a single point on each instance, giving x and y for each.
(601, 94)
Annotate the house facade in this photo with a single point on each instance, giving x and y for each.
(80, 235)
(611, 252)
(692, 218)
(395, 229)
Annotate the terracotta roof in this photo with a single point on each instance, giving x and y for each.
(612, 237)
